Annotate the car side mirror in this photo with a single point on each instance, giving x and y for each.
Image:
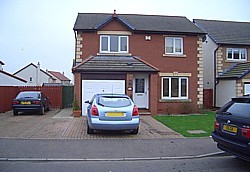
(87, 102)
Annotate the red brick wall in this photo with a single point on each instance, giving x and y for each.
(152, 52)
(77, 87)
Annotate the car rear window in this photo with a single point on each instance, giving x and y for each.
(109, 101)
(239, 109)
(27, 95)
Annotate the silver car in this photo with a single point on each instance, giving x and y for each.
(112, 112)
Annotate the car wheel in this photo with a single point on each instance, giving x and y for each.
(42, 111)
(15, 112)
(48, 108)
(135, 131)
(89, 130)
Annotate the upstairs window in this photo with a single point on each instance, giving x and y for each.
(173, 45)
(237, 54)
(113, 44)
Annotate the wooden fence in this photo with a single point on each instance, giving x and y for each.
(8, 93)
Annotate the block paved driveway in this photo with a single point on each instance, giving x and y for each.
(59, 124)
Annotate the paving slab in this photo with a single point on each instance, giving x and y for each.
(59, 124)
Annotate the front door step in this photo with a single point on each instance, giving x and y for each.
(144, 112)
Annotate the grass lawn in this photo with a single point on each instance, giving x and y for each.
(182, 124)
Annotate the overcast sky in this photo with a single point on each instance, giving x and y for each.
(33, 31)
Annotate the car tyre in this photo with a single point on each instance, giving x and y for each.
(48, 108)
(135, 131)
(15, 112)
(89, 130)
(42, 111)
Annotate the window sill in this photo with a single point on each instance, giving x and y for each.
(114, 54)
(175, 100)
(175, 55)
(233, 61)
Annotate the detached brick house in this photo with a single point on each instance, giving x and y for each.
(156, 60)
(226, 55)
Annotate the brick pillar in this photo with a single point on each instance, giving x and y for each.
(129, 85)
(153, 98)
(77, 87)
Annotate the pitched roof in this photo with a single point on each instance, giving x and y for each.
(236, 71)
(31, 64)
(136, 22)
(114, 64)
(13, 76)
(59, 76)
(226, 32)
(2, 63)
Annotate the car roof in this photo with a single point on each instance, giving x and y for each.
(245, 97)
(110, 94)
(30, 92)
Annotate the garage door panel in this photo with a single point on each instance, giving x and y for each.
(91, 87)
(246, 89)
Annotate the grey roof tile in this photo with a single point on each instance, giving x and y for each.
(236, 71)
(114, 64)
(135, 22)
(226, 32)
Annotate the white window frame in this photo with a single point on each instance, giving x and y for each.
(174, 39)
(240, 52)
(119, 44)
(170, 91)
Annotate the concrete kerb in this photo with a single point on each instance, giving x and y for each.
(215, 154)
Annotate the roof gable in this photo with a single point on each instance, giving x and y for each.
(226, 32)
(31, 65)
(138, 23)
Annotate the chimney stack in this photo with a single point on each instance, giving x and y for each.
(1, 65)
(114, 15)
(38, 75)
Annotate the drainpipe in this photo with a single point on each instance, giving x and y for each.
(215, 80)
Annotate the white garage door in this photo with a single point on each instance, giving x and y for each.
(246, 89)
(225, 90)
(91, 87)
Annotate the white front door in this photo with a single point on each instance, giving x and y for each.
(140, 91)
(92, 87)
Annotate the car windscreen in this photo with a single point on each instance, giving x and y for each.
(28, 95)
(239, 109)
(110, 101)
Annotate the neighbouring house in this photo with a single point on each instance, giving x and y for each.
(34, 75)
(226, 59)
(7, 79)
(60, 78)
(156, 60)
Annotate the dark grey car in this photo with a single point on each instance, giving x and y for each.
(30, 101)
(232, 127)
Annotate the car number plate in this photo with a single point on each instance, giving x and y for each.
(230, 129)
(115, 114)
(25, 103)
